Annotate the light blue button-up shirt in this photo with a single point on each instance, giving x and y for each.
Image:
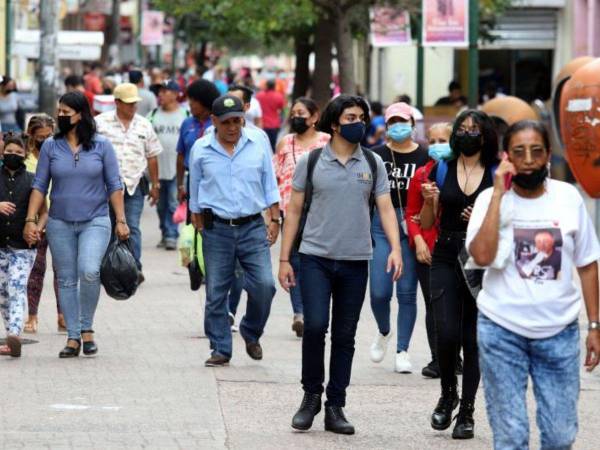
(239, 185)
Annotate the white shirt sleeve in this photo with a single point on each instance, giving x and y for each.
(587, 249)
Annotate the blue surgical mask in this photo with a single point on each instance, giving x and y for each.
(353, 132)
(399, 132)
(440, 151)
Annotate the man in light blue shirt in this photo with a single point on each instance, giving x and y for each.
(231, 182)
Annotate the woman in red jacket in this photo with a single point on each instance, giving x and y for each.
(423, 240)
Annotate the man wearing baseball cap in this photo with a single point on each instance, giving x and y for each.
(137, 148)
(167, 120)
(232, 181)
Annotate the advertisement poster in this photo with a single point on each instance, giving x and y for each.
(389, 27)
(152, 27)
(446, 23)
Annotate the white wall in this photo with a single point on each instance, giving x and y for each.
(399, 73)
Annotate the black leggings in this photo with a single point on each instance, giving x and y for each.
(423, 271)
(455, 312)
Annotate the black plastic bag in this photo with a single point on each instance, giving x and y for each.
(119, 272)
(194, 270)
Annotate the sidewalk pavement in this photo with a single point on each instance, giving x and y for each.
(148, 387)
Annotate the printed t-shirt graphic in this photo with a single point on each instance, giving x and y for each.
(538, 250)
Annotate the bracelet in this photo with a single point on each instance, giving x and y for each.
(284, 260)
(277, 221)
(594, 325)
(30, 220)
(123, 221)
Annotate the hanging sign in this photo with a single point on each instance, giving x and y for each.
(446, 23)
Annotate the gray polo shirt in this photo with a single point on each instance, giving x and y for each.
(338, 225)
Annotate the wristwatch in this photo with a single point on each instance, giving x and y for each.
(594, 325)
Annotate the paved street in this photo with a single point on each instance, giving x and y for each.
(148, 387)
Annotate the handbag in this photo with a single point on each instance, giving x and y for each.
(194, 270)
(473, 277)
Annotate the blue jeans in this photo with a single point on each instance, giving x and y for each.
(346, 283)
(382, 286)
(235, 293)
(507, 360)
(134, 205)
(166, 206)
(77, 251)
(222, 246)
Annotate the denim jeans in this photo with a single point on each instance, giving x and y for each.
(222, 246)
(507, 360)
(134, 205)
(166, 206)
(342, 284)
(382, 286)
(235, 293)
(77, 251)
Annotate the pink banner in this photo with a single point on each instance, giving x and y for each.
(389, 27)
(152, 27)
(446, 23)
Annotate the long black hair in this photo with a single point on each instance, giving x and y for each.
(522, 125)
(489, 147)
(335, 108)
(86, 127)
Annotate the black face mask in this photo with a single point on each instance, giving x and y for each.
(64, 124)
(468, 144)
(531, 181)
(13, 162)
(298, 125)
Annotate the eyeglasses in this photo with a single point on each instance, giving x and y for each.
(473, 132)
(536, 153)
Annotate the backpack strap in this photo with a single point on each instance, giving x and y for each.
(313, 158)
(370, 157)
(441, 172)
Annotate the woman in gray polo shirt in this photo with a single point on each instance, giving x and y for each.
(335, 252)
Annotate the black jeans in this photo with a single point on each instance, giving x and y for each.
(455, 312)
(423, 274)
(346, 283)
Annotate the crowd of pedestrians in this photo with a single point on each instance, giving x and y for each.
(361, 201)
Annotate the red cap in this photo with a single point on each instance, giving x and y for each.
(400, 109)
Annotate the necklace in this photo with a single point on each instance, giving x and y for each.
(467, 176)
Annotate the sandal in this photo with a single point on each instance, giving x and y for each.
(31, 326)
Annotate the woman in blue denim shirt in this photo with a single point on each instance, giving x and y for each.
(532, 234)
(84, 172)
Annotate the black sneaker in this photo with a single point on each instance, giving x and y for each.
(431, 370)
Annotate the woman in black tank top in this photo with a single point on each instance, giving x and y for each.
(475, 145)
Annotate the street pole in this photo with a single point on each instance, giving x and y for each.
(8, 30)
(473, 53)
(115, 29)
(48, 61)
(420, 66)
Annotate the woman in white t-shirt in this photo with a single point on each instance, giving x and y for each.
(532, 237)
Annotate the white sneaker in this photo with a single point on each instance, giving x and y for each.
(403, 364)
(234, 327)
(379, 347)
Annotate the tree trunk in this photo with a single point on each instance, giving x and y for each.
(110, 55)
(48, 62)
(302, 49)
(322, 74)
(345, 55)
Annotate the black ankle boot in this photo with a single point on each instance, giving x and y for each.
(442, 414)
(336, 422)
(465, 425)
(309, 408)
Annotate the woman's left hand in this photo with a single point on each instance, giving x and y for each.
(592, 345)
(395, 262)
(122, 231)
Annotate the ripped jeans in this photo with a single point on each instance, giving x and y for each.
(77, 251)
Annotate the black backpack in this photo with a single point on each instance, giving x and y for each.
(313, 157)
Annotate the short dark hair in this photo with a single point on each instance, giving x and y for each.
(454, 85)
(74, 81)
(377, 108)
(489, 147)
(135, 76)
(270, 85)
(405, 98)
(335, 108)
(522, 125)
(203, 91)
(247, 93)
(96, 65)
(309, 103)
(16, 139)
(86, 128)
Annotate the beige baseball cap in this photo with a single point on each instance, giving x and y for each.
(127, 93)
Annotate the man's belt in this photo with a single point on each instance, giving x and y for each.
(239, 221)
